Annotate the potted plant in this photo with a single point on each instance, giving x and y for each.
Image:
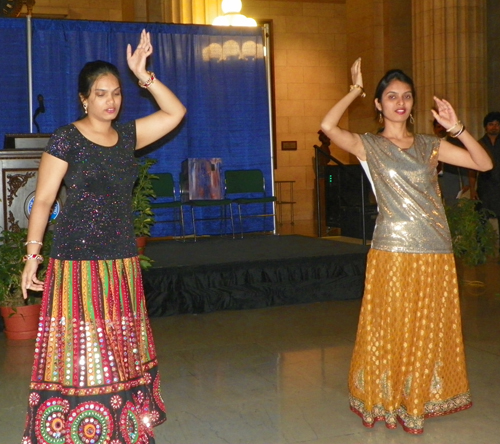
(144, 218)
(20, 316)
(474, 238)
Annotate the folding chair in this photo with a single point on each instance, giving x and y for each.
(205, 203)
(249, 186)
(166, 197)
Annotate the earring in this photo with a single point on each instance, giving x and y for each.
(380, 117)
(85, 107)
(412, 120)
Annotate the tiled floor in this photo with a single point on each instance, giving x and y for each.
(278, 375)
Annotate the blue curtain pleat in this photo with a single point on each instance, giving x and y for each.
(14, 103)
(218, 73)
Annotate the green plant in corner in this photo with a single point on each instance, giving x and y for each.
(141, 199)
(142, 194)
(474, 238)
(12, 250)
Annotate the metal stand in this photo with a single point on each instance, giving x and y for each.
(280, 201)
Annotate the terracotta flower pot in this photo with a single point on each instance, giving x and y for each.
(141, 244)
(21, 323)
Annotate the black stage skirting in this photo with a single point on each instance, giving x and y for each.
(258, 271)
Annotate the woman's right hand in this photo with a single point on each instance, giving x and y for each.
(29, 281)
(357, 77)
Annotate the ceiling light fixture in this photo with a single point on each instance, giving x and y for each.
(232, 16)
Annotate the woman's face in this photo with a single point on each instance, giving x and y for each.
(105, 98)
(396, 102)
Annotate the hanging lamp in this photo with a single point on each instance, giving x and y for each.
(232, 16)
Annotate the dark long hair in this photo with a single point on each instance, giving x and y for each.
(394, 74)
(91, 71)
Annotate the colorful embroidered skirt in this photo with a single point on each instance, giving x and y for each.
(408, 362)
(95, 377)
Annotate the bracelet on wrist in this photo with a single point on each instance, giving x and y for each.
(353, 87)
(33, 242)
(457, 123)
(148, 82)
(459, 132)
(37, 257)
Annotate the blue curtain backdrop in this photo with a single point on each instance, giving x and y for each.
(218, 73)
(14, 105)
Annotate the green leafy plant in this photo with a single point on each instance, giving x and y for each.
(141, 199)
(474, 238)
(145, 262)
(12, 250)
(144, 218)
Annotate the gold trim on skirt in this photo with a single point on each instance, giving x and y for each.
(408, 362)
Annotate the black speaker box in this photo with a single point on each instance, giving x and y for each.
(351, 221)
(345, 186)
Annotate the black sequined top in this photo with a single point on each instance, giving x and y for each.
(96, 221)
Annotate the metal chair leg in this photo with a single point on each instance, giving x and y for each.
(241, 220)
(232, 220)
(183, 230)
(194, 223)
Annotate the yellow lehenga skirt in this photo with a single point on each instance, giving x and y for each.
(408, 362)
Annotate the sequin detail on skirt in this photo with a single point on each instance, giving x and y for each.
(95, 377)
(408, 362)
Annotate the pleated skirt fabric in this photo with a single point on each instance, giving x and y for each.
(408, 362)
(95, 375)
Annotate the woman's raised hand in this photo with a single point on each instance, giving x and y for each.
(444, 113)
(357, 78)
(137, 60)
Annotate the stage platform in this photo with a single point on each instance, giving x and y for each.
(218, 273)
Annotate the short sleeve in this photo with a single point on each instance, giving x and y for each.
(59, 144)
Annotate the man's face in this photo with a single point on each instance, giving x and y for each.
(492, 128)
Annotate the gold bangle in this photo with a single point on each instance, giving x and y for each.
(33, 242)
(449, 130)
(459, 132)
(148, 82)
(352, 87)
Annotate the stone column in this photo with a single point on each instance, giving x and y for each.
(449, 59)
(378, 31)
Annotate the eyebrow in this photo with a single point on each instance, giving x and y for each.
(104, 89)
(395, 92)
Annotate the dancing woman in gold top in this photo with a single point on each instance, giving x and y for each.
(408, 362)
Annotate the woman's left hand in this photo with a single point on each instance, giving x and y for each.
(357, 77)
(445, 113)
(137, 60)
